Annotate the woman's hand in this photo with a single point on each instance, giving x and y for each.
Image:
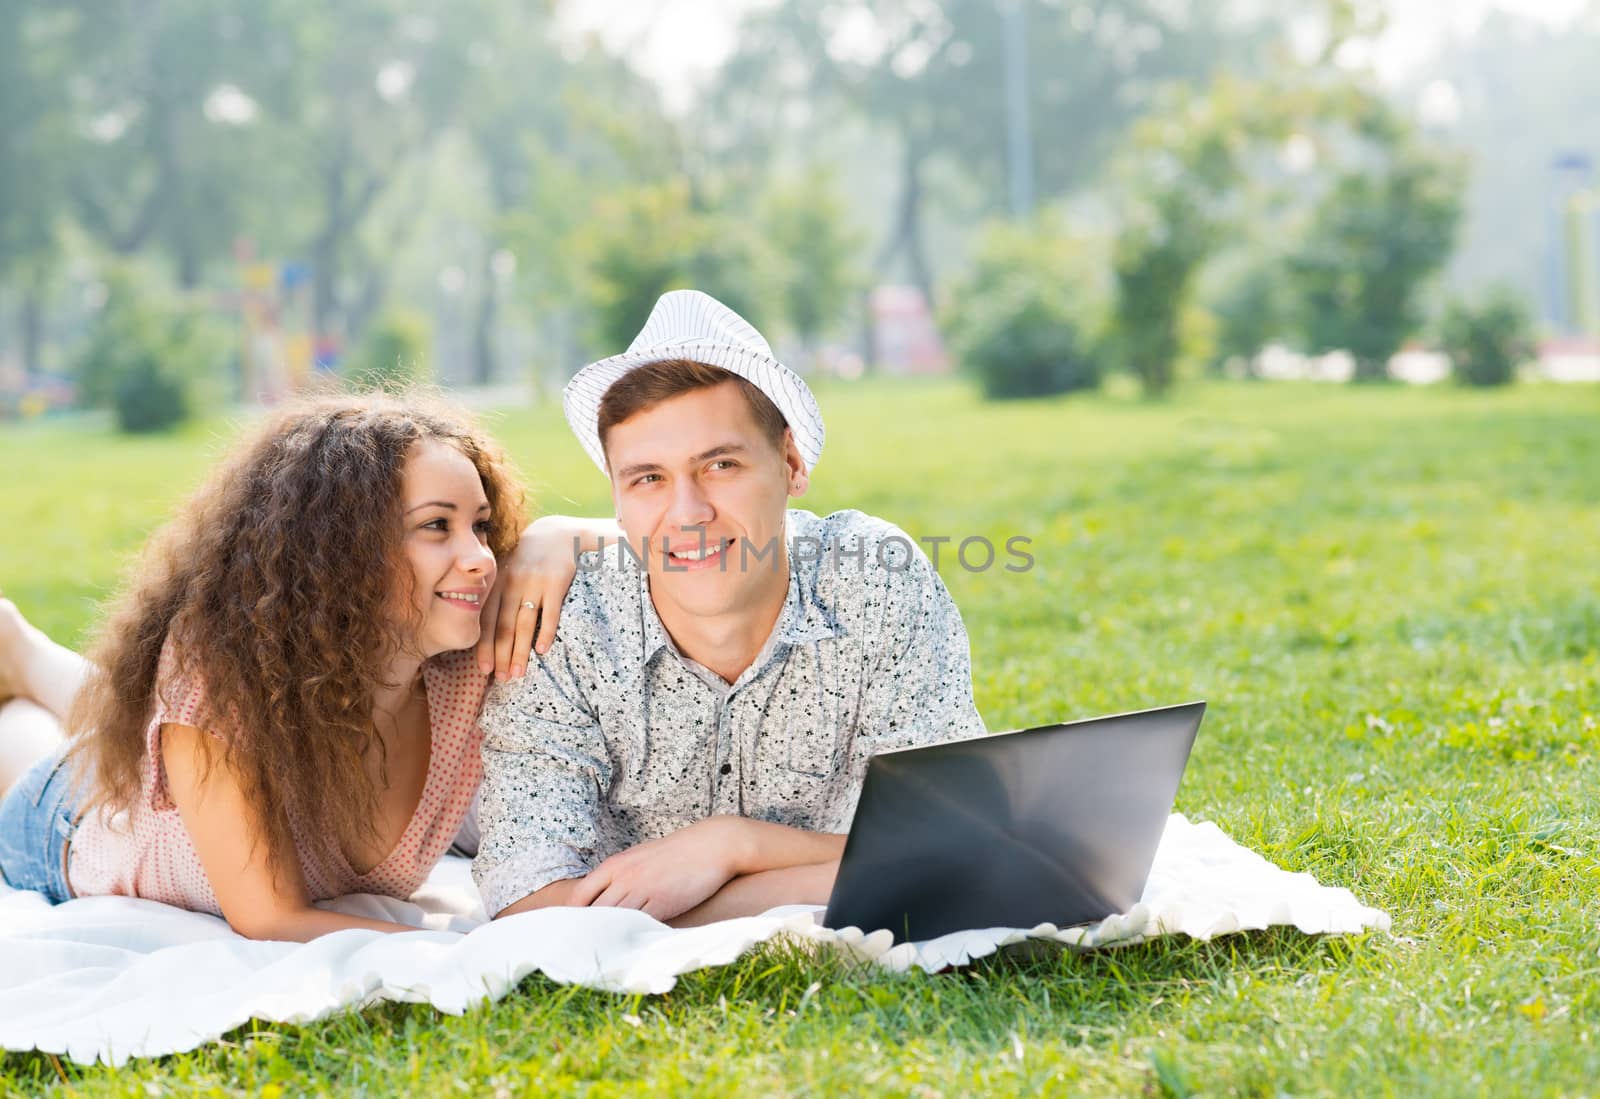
(528, 591)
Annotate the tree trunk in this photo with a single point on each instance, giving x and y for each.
(911, 216)
(907, 235)
(30, 328)
(1369, 369)
(869, 334)
(484, 366)
(324, 279)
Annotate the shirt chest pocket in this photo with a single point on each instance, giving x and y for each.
(811, 731)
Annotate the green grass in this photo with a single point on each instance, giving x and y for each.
(1391, 598)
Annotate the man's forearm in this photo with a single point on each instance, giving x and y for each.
(554, 895)
(761, 845)
(753, 894)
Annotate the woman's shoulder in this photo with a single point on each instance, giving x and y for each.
(456, 674)
(180, 692)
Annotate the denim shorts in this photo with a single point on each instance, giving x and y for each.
(37, 819)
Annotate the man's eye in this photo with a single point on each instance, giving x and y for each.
(648, 478)
(724, 462)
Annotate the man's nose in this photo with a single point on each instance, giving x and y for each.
(691, 507)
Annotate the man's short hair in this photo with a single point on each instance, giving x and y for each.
(645, 387)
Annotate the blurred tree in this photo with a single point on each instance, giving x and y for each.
(932, 74)
(169, 152)
(148, 359)
(1252, 310)
(33, 133)
(363, 87)
(1524, 90)
(393, 354)
(1489, 338)
(804, 221)
(1182, 187)
(1381, 206)
(1376, 238)
(535, 150)
(647, 239)
(1030, 317)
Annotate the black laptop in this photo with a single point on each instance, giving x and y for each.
(1057, 824)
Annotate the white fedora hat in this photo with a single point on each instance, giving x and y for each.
(686, 324)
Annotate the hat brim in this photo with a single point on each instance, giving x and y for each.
(581, 398)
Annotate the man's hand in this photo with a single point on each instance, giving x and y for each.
(666, 877)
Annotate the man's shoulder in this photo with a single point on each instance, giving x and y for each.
(606, 586)
(849, 529)
(600, 616)
(849, 561)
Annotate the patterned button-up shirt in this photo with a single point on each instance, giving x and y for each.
(614, 737)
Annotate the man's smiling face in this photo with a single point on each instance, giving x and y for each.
(696, 474)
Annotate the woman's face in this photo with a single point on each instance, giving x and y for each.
(446, 516)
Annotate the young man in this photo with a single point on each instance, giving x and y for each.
(694, 741)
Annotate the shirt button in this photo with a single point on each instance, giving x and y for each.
(727, 769)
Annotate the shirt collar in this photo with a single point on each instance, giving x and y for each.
(801, 622)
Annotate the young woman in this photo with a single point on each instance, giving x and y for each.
(282, 707)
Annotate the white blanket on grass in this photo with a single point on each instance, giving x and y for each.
(109, 978)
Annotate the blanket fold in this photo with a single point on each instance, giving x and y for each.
(111, 978)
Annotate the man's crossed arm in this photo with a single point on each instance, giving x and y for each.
(715, 869)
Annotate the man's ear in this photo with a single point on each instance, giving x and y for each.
(799, 476)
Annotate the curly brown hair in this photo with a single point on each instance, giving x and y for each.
(276, 583)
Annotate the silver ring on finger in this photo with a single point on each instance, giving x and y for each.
(529, 604)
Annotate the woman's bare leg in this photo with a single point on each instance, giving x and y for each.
(34, 667)
(45, 678)
(28, 733)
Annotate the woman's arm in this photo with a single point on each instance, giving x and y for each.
(539, 571)
(259, 901)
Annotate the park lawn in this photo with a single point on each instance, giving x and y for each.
(1391, 598)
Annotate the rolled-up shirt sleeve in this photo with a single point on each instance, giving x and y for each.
(545, 770)
(919, 685)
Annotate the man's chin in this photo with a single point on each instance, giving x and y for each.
(702, 594)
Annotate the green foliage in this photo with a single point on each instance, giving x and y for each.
(647, 239)
(1027, 344)
(1027, 321)
(1155, 263)
(147, 398)
(1375, 240)
(1388, 598)
(1252, 311)
(394, 356)
(816, 250)
(148, 359)
(1376, 234)
(1182, 194)
(33, 133)
(1487, 340)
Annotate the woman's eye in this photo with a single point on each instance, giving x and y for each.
(436, 524)
(484, 526)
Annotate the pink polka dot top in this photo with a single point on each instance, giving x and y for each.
(146, 852)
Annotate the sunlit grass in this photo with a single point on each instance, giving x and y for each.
(1390, 597)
